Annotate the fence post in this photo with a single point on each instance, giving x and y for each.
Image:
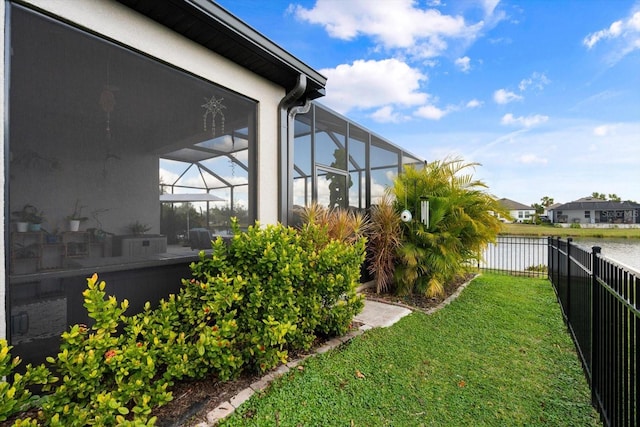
(595, 326)
(568, 305)
(549, 259)
(556, 263)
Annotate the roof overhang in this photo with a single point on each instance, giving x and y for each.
(213, 27)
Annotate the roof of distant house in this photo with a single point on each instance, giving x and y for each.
(512, 205)
(588, 203)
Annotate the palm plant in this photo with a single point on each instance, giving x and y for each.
(461, 223)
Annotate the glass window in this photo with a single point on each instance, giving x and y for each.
(143, 153)
(384, 167)
(587, 214)
(330, 139)
(358, 140)
(302, 169)
(381, 179)
(383, 154)
(332, 187)
(410, 160)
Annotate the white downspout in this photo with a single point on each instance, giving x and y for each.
(288, 107)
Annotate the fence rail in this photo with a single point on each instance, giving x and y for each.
(600, 305)
(523, 256)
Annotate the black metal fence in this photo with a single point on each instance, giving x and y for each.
(600, 304)
(523, 256)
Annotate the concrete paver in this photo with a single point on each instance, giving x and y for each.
(378, 314)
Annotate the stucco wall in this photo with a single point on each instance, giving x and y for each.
(120, 23)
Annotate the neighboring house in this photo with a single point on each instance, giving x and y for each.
(519, 212)
(123, 109)
(548, 211)
(594, 211)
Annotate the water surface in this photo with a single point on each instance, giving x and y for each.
(623, 251)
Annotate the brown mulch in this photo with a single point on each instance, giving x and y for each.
(418, 302)
(193, 400)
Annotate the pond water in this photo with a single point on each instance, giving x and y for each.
(623, 251)
(523, 253)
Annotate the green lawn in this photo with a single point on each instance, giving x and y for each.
(548, 230)
(497, 356)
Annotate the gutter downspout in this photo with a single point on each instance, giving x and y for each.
(287, 109)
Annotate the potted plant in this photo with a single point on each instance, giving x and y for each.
(138, 229)
(76, 217)
(35, 219)
(28, 215)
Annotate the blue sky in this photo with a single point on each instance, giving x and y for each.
(545, 95)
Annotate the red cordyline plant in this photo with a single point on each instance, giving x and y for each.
(384, 239)
(341, 224)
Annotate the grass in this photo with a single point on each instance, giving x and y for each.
(548, 230)
(498, 355)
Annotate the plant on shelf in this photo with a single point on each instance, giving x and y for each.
(28, 218)
(76, 216)
(138, 229)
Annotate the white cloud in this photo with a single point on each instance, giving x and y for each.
(614, 31)
(464, 64)
(421, 32)
(387, 114)
(536, 81)
(527, 122)
(532, 159)
(474, 103)
(431, 112)
(623, 37)
(503, 96)
(604, 130)
(373, 84)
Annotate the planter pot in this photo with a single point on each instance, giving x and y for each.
(22, 227)
(35, 227)
(74, 224)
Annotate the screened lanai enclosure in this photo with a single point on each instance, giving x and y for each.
(151, 161)
(114, 138)
(340, 164)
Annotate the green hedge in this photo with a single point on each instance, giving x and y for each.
(270, 290)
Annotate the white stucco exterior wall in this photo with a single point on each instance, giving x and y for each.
(120, 23)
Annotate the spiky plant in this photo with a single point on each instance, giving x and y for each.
(384, 240)
(341, 224)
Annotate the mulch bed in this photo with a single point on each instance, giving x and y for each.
(418, 302)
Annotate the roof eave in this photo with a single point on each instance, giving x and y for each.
(235, 40)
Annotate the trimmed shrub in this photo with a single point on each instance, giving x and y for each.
(271, 290)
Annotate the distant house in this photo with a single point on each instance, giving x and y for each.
(594, 211)
(550, 210)
(519, 212)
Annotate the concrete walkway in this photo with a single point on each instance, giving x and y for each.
(380, 315)
(374, 315)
